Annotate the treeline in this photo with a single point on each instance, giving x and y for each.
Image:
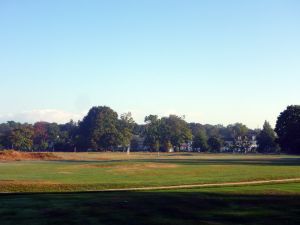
(103, 129)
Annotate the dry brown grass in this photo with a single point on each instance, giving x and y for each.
(11, 155)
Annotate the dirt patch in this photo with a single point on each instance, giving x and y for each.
(132, 167)
(65, 172)
(11, 155)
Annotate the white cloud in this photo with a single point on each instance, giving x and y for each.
(48, 115)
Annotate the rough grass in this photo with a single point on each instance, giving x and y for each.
(11, 155)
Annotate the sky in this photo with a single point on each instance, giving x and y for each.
(216, 62)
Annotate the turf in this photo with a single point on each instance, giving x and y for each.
(264, 204)
(102, 171)
(255, 204)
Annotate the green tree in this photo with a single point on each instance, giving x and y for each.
(200, 141)
(266, 139)
(174, 130)
(151, 132)
(125, 130)
(54, 134)
(237, 130)
(22, 138)
(214, 144)
(288, 129)
(99, 129)
(68, 137)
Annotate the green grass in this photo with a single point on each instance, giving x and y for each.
(47, 176)
(264, 204)
(248, 205)
(71, 175)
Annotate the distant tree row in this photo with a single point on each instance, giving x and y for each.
(103, 129)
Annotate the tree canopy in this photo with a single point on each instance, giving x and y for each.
(98, 129)
(288, 129)
(267, 139)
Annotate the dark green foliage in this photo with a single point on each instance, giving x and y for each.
(68, 137)
(21, 138)
(200, 141)
(152, 132)
(102, 129)
(125, 128)
(288, 129)
(267, 139)
(175, 131)
(99, 129)
(214, 144)
(166, 133)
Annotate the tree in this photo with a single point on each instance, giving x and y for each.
(54, 134)
(40, 139)
(98, 129)
(151, 132)
(22, 138)
(68, 137)
(266, 139)
(288, 129)
(5, 132)
(174, 131)
(125, 129)
(200, 141)
(214, 144)
(237, 130)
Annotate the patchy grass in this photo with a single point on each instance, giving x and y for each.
(169, 169)
(246, 205)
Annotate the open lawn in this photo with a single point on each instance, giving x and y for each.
(247, 204)
(98, 171)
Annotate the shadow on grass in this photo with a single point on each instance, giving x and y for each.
(267, 162)
(136, 208)
(261, 162)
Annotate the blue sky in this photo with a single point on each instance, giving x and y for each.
(215, 62)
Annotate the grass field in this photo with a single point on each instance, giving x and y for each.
(264, 204)
(255, 204)
(96, 171)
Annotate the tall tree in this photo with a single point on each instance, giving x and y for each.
(288, 129)
(214, 144)
(266, 139)
(200, 141)
(174, 130)
(68, 137)
(151, 132)
(125, 129)
(98, 129)
(40, 140)
(22, 138)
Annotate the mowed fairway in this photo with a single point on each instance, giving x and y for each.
(100, 171)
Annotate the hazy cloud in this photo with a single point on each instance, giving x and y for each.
(48, 115)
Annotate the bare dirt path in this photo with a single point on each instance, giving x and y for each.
(184, 186)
